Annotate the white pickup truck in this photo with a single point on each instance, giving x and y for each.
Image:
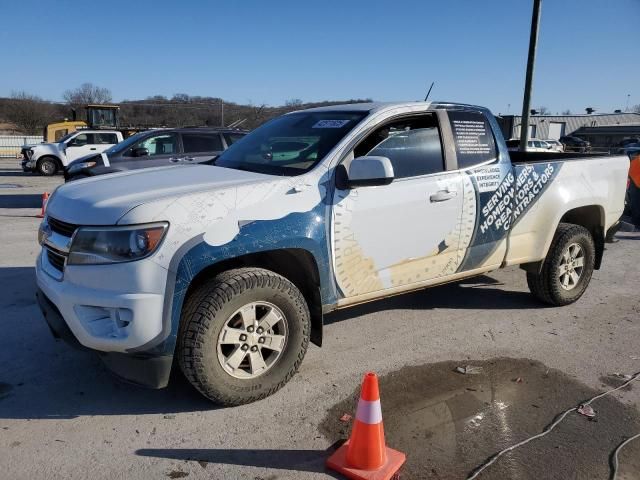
(231, 267)
(49, 158)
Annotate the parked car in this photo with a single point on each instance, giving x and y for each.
(230, 268)
(49, 158)
(629, 148)
(575, 144)
(628, 141)
(156, 148)
(533, 145)
(556, 145)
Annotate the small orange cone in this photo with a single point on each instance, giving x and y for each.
(45, 199)
(365, 456)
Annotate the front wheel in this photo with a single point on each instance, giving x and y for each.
(568, 267)
(47, 166)
(243, 335)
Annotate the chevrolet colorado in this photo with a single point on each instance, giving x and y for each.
(230, 268)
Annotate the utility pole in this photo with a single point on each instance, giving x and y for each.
(526, 103)
(221, 112)
(627, 107)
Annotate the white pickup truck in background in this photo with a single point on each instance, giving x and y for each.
(49, 158)
(230, 267)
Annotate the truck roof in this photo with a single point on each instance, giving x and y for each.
(379, 106)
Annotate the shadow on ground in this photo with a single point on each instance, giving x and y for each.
(481, 292)
(44, 378)
(296, 460)
(22, 200)
(41, 377)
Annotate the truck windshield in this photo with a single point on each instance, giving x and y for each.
(290, 145)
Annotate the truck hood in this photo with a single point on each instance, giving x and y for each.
(104, 199)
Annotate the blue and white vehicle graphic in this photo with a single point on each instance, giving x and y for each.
(231, 267)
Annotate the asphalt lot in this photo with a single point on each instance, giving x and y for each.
(63, 416)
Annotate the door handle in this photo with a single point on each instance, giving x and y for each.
(189, 159)
(175, 159)
(443, 195)
(94, 148)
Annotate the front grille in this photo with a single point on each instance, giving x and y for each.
(63, 228)
(56, 260)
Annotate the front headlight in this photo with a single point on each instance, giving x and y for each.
(81, 166)
(102, 245)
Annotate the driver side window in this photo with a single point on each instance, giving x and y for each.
(412, 145)
(164, 144)
(80, 140)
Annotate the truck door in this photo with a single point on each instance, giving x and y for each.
(407, 232)
(80, 145)
(200, 146)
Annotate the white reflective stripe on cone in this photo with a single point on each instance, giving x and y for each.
(369, 412)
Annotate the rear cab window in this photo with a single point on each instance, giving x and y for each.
(473, 138)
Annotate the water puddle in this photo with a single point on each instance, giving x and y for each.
(449, 422)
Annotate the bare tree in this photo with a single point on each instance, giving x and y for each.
(636, 108)
(29, 112)
(566, 112)
(543, 111)
(257, 114)
(85, 94)
(293, 102)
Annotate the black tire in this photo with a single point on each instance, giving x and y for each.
(206, 313)
(546, 285)
(47, 166)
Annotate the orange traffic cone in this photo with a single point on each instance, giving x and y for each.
(45, 199)
(365, 456)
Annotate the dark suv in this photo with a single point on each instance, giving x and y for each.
(575, 144)
(155, 148)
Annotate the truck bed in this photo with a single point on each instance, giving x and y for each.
(541, 157)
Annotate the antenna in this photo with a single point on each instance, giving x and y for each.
(432, 84)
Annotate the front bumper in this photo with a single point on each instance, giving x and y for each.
(91, 318)
(96, 303)
(151, 371)
(27, 165)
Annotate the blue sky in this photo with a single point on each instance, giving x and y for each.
(271, 51)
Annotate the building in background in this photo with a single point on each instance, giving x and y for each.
(552, 127)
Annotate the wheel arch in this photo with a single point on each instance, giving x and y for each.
(591, 217)
(297, 265)
(57, 160)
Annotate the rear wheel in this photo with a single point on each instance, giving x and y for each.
(243, 335)
(568, 267)
(47, 166)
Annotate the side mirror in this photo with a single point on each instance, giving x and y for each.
(366, 172)
(140, 152)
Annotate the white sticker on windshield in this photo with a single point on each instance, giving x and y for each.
(331, 123)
